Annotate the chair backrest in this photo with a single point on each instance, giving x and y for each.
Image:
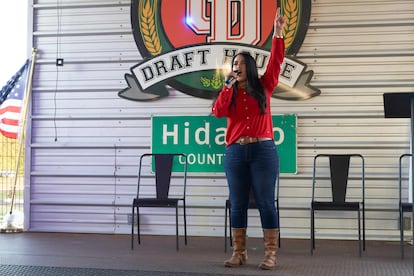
(163, 167)
(339, 169)
(339, 166)
(403, 197)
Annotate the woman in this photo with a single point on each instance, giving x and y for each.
(251, 160)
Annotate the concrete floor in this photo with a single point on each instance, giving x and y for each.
(202, 255)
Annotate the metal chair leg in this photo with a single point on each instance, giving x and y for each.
(225, 229)
(138, 227)
(278, 220)
(363, 228)
(359, 233)
(230, 230)
(176, 226)
(185, 223)
(312, 231)
(402, 232)
(132, 228)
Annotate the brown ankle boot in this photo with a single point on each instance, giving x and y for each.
(239, 256)
(270, 243)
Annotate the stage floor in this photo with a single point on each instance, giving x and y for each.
(98, 254)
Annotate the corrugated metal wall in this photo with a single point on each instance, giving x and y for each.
(86, 141)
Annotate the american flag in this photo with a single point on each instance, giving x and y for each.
(11, 102)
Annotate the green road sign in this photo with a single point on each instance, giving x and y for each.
(202, 139)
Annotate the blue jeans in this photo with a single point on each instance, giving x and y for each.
(252, 166)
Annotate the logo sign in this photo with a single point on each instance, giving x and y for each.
(188, 45)
(202, 139)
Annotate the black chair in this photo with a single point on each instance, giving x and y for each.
(335, 195)
(163, 196)
(252, 205)
(403, 205)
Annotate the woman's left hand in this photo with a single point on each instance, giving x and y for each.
(279, 23)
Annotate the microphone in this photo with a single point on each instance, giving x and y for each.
(229, 80)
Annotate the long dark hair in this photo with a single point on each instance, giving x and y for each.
(253, 86)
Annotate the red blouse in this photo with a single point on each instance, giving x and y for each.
(244, 118)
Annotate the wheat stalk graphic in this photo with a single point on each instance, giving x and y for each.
(291, 13)
(148, 27)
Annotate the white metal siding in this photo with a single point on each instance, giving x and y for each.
(86, 141)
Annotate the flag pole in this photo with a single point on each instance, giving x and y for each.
(22, 132)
